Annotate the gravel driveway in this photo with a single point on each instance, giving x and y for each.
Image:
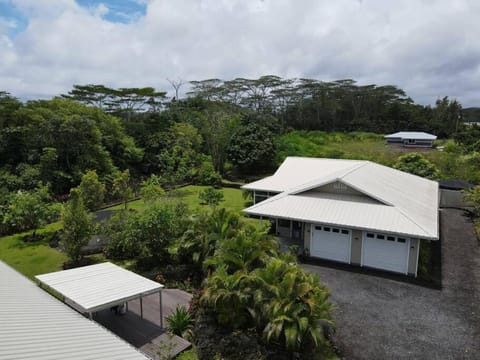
(378, 318)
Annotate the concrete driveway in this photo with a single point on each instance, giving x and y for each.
(378, 318)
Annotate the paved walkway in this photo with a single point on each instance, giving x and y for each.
(146, 334)
(378, 318)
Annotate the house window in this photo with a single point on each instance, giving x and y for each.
(370, 235)
(326, 229)
(390, 238)
(346, 232)
(335, 230)
(401, 240)
(283, 223)
(380, 237)
(318, 228)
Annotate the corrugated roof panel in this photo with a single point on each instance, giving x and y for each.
(35, 325)
(94, 286)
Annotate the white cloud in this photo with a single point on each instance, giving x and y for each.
(429, 48)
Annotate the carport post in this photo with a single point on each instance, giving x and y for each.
(141, 306)
(161, 310)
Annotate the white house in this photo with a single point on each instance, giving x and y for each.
(351, 211)
(411, 139)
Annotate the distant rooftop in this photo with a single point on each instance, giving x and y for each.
(412, 135)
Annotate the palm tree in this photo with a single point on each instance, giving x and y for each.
(228, 295)
(248, 249)
(206, 230)
(290, 306)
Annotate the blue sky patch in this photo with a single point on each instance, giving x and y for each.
(121, 11)
(11, 19)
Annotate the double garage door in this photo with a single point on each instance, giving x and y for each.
(379, 251)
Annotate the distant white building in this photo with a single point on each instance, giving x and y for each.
(411, 139)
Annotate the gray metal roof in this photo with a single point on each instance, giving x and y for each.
(35, 325)
(96, 287)
(406, 204)
(412, 135)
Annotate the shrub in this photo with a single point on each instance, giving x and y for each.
(180, 321)
(91, 190)
(207, 174)
(121, 244)
(77, 227)
(27, 210)
(151, 189)
(211, 197)
(417, 164)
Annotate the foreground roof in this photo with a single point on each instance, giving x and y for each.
(35, 325)
(390, 200)
(96, 287)
(412, 135)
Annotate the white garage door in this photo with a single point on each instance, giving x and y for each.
(385, 252)
(330, 243)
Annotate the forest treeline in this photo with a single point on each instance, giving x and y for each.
(220, 127)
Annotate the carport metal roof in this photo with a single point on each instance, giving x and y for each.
(100, 286)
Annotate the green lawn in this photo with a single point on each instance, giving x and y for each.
(38, 258)
(189, 194)
(31, 258)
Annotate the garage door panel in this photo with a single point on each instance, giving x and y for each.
(330, 245)
(385, 254)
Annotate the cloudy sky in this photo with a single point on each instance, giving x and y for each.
(430, 48)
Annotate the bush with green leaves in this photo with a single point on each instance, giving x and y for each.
(180, 321)
(27, 210)
(417, 164)
(77, 227)
(148, 235)
(211, 197)
(121, 244)
(151, 189)
(207, 174)
(92, 190)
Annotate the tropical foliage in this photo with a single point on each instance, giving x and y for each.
(180, 321)
(78, 227)
(210, 196)
(416, 164)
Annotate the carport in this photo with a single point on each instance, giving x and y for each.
(102, 286)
